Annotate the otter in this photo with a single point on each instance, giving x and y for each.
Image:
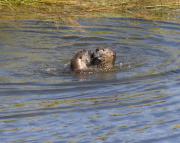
(104, 58)
(89, 62)
(81, 61)
(101, 60)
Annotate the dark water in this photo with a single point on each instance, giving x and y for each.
(140, 103)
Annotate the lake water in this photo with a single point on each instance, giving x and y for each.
(40, 103)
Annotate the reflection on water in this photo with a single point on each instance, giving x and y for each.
(139, 103)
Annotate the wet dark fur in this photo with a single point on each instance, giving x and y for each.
(103, 59)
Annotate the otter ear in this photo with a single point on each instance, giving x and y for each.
(97, 49)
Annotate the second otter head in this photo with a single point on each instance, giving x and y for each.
(81, 61)
(104, 57)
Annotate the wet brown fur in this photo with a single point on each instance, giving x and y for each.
(104, 58)
(80, 61)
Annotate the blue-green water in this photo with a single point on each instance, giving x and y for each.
(40, 103)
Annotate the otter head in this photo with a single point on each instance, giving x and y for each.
(104, 57)
(81, 61)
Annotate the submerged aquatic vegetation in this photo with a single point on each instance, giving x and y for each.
(69, 10)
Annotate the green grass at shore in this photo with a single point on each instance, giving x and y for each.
(68, 10)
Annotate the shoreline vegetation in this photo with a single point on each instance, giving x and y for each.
(70, 10)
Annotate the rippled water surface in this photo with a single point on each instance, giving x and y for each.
(40, 103)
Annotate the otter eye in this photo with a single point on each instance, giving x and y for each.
(103, 49)
(80, 57)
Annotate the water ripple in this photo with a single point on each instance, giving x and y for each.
(138, 103)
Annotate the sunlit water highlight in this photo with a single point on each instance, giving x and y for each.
(139, 103)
